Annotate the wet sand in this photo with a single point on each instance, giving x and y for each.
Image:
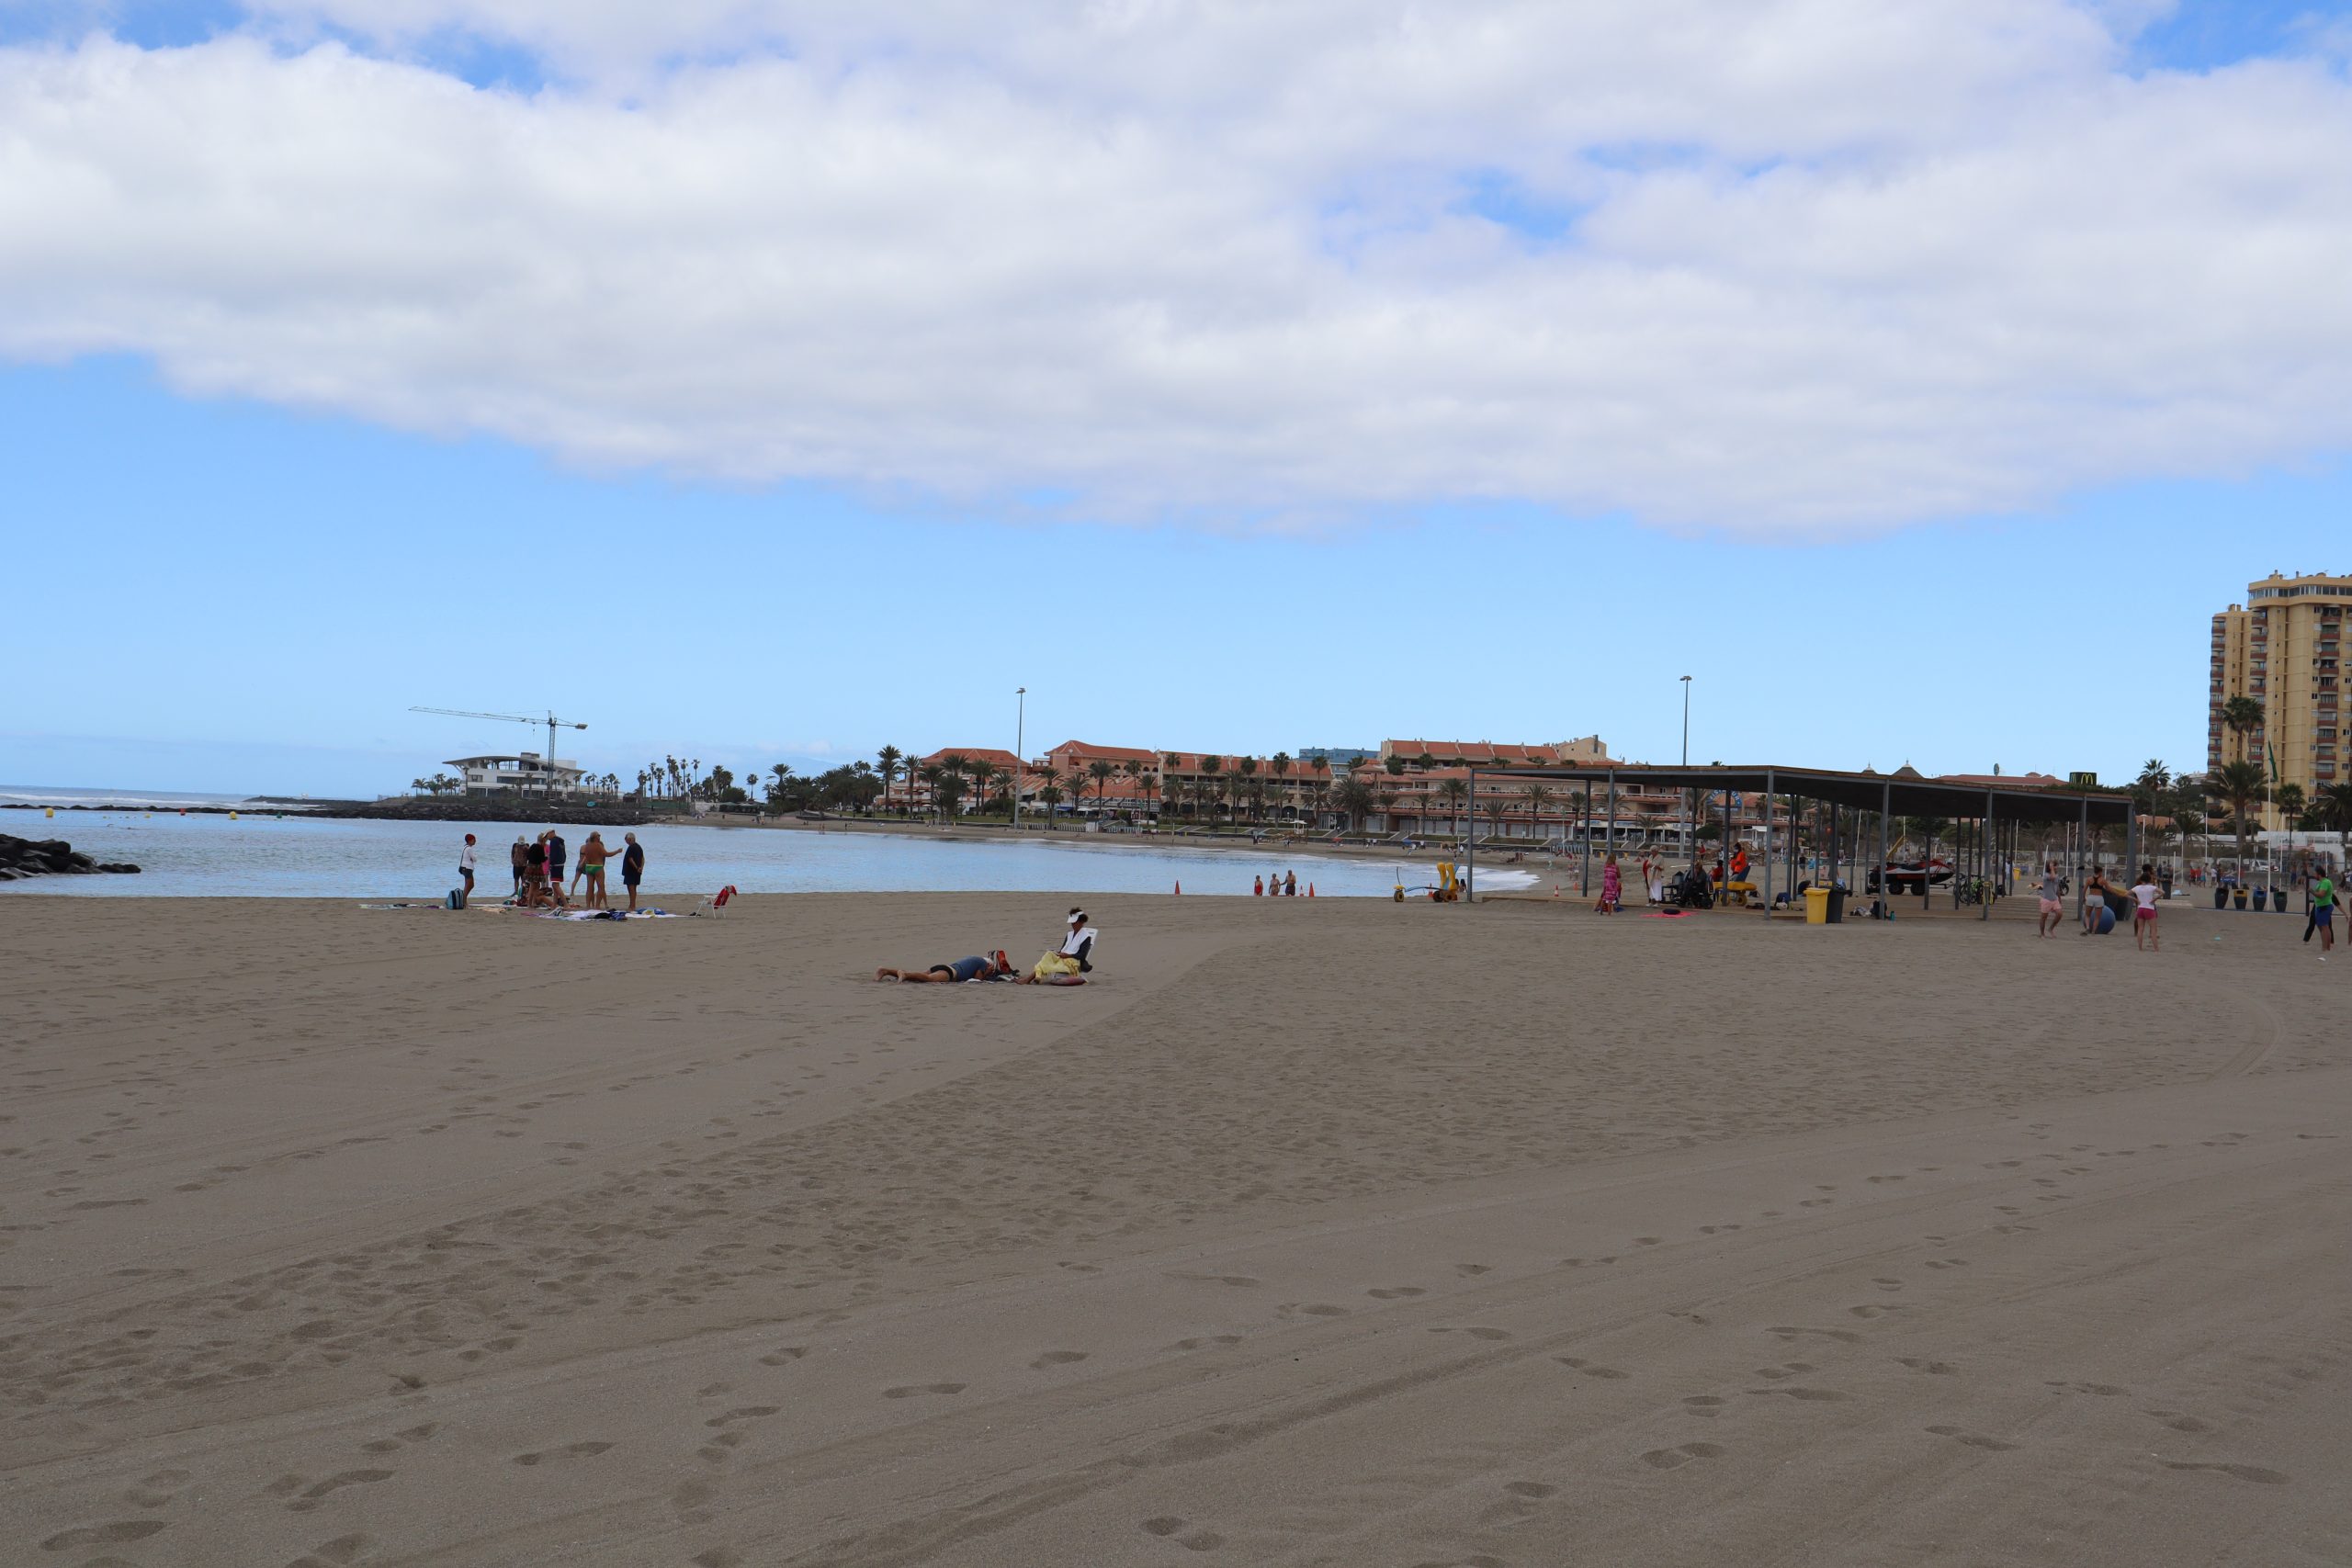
(1332, 1232)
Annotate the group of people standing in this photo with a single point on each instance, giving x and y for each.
(1285, 886)
(539, 865)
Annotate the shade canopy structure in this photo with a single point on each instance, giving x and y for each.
(1903, 793)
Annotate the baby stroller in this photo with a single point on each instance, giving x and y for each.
(1691, 892)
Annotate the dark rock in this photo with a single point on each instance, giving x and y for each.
(20, 858)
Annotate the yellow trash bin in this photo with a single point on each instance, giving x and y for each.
(1816, 905)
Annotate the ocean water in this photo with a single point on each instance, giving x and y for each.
(265, 855)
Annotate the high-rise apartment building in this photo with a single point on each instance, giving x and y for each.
(2281, 648)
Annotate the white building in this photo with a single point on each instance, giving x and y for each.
(512, 773)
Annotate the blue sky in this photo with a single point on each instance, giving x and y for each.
(1242, 380)
(235, 597)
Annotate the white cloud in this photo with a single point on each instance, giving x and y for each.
(1832, 264)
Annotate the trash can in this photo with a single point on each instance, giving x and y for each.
(1816, 905)
(2259, 894)
(1837, 906)
(2221, 897)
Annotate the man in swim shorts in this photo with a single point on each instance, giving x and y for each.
(2053, 898)
(632, 866)
(2323, 911)
(976, 967)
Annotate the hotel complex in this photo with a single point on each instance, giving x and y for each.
(2280, 650)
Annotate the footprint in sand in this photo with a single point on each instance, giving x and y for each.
(1476, 1331)
(1676, 1457)
(314, 1494)
(154, 1491)
(1794, 1331)
(1811, 1395)
(120, 1533)
(1973, 1439)
(1310, 1309)
(342, 1549)
(1394, 1293)
(1216, 1279)
(1166, 1525)
(785, 1357)
(570, 1450)
(401, 1440)
(1057, 1359)
(749, 1413)
(2236, 1472)
(1922, 1364)
(1203, 1343)
(1529, 1489)
(1470, 1270)
(2180, 1423)
(1707, 1404)
(910, 1391)
(2107, 1390)
(1589, 1369)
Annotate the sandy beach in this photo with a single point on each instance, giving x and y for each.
(1334, 1232)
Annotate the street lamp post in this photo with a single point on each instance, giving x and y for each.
(1688, 828)
(1020, 738)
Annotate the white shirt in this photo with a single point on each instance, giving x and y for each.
(466, 857)
(1079, 939)
(2147, 893)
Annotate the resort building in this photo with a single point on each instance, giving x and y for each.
(2280, 648)
(512, 773)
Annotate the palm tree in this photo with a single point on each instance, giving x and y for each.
(1455, 791)
(984, 774)
(933, 776)
(1100, 772)
(1279, 765)
(1147, 786)
(1496, 806)
(1211, 786)
(1353, 797)
(1538, 797)
(2334, 807)
(2243, 716)
(2240, 783)
(886, 767)
(1050, 791)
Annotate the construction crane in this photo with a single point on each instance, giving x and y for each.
(552, 723)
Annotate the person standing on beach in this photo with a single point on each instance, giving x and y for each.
(2053, 898)
(534, 871)
(1290, 885)
(556, 857)
(1613, 886)
(632, 866)
(1257, 887)
(591, 868)
(2143, 918)
(466, 864)
(520, 858)
(2323, 911)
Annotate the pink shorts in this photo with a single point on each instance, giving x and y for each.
(2145, 914)
(2052, 906)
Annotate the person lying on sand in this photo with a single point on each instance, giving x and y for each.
(996, 967)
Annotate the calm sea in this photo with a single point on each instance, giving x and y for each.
(264, 854)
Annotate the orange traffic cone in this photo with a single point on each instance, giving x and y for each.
(1179, 887)
(1310, 890)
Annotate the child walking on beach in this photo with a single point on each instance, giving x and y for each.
(1613, 886)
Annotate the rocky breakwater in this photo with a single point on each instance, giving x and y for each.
(46, 857)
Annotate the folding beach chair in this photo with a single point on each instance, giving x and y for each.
(717, 902)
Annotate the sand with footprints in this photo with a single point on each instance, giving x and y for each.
(1314, 1233)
